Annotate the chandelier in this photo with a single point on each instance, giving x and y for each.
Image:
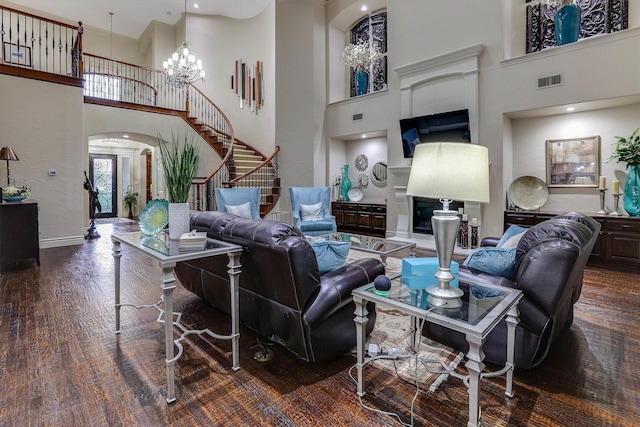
(182, 68)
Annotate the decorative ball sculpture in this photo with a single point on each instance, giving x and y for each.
(382, 285)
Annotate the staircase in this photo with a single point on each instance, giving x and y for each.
(124, 85)
(246, 167)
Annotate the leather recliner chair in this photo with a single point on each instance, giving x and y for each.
(550, 261)
(283, 297)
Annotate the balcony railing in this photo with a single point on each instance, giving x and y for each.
(35, 43)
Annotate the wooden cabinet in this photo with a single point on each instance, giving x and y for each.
(617, 247)
(362, 218)
(19, 232)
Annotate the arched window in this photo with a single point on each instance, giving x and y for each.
(372, 30)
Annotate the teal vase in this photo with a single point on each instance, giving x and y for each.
(345, 184)
(567, 23)
(631, 190)
(362, 82)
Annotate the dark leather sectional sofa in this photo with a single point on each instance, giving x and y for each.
(283, 297)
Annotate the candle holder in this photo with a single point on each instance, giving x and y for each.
(464, 234)
(602, 210)
(616, 199)
(474, 237)
(459, 236)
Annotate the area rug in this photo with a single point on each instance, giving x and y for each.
(391, 335)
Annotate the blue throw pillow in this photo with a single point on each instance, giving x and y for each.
(501, 262)
(509, 236)
(330, 255)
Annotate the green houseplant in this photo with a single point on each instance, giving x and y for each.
(179, 163)
(628, 151)
(131, 200)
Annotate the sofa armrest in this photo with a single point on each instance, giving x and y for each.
(532, 317)
(489, 242)
(336, 287)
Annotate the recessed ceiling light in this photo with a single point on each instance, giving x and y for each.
(571, 108)
(363, 8)
(125, 136)
(364, 135)
(195, 5)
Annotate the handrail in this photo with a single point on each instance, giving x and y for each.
(214, 120)
(36, 43)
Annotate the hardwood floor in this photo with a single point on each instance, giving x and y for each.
(62, 364)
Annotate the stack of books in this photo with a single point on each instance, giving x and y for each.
(194, 240)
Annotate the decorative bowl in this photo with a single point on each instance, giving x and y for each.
(154, 217)
(13, 198)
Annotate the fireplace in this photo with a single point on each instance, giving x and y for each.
(448, 82)
(423, 211)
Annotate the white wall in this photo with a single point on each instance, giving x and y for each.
(300, 94)
(530, 134)
(220, 41)
(376, 151)
(42, 122)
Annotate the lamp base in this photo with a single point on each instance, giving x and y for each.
(444, 297)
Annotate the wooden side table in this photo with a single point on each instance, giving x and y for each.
(19, 232)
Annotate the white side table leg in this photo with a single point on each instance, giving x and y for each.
(168, 286)
(117, 253)
(234, 285)
(474, 366)
(512, 321)
(361, 322)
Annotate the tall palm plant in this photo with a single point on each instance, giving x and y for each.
(179, 163)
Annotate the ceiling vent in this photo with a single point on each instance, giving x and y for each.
(357, 116)
(550, 81)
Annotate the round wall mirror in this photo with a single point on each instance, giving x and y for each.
(379, 173)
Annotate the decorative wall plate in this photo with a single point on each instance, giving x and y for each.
(154, 217)
(355, 194)
(362, 162)
(528, 192)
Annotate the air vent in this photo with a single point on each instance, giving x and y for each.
(357, 116)
(550, 81)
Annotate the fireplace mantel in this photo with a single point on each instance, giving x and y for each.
(452, 80)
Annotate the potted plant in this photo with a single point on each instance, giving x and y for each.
(179, 163)
(15, 193)
(628, 151)
(131, 200)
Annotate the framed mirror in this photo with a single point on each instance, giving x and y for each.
(379, 173)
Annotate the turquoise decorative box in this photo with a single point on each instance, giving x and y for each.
(418, 273)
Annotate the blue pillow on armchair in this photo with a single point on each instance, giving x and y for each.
(498, 261)
(330, 255)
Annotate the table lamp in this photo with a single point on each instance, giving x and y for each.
(448, 171)
(7, 153)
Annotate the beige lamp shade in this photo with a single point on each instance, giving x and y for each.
(450, 170)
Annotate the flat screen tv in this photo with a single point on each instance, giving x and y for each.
(452, 126)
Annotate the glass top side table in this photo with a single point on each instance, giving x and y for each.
(167, 253)
(475, 319)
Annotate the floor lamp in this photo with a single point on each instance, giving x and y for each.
(7, 153)
(448, 171)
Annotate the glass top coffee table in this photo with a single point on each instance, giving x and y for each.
(375, 245)
(475, 319)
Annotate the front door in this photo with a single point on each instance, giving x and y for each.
(103, 174)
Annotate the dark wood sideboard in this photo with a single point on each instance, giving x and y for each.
(617, 247)
(362, 218)
(19, 232)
